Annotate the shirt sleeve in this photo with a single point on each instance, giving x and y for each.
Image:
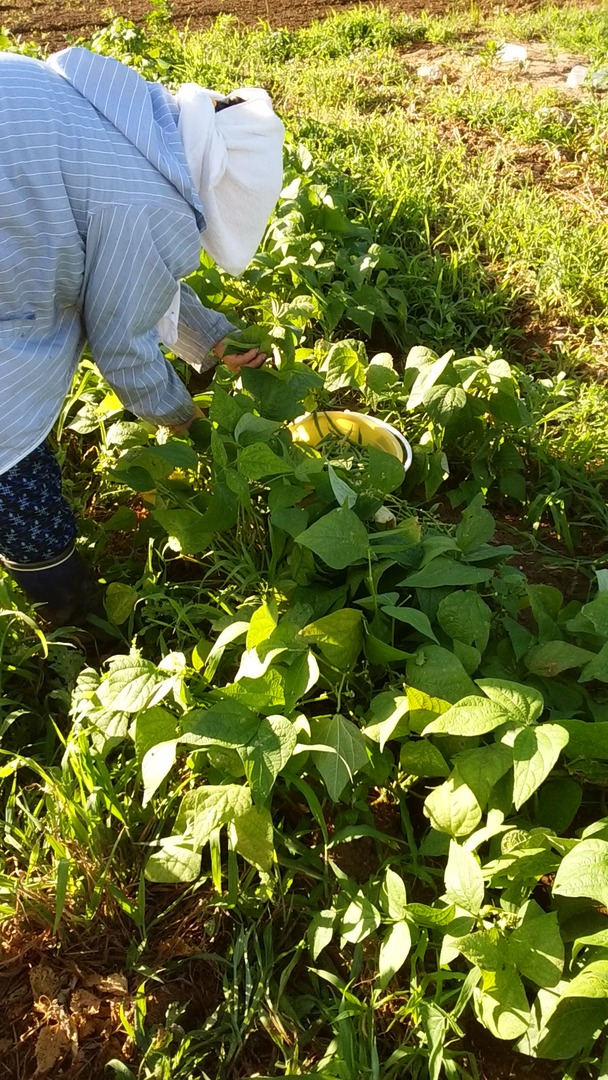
(199, 329)
(128, 286)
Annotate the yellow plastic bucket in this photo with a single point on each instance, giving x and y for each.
(356, 427)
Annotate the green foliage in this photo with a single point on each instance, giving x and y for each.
(351, 731)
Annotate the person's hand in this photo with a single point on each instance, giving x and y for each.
(235, 361)
(182, 429)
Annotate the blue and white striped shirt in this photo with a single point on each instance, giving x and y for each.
(99, 220)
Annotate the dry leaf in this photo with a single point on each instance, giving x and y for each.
(176, 946)
(82, 1003)
(44, 982)
(51, 1045)
(112, 984)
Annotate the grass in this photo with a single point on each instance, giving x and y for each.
(444, 167)
(484, 196)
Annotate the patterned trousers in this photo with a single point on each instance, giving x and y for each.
(36, 522)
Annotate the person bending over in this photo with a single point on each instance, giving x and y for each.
(109, 187)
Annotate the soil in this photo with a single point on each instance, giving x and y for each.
(62, 1002)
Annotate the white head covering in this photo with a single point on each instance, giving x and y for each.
(235, 158)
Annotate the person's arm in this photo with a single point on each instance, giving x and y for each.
(199, 331)
(128, 287)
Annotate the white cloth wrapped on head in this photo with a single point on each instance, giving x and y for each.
(235, 157)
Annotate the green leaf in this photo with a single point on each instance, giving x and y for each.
(262, 693)
(338, 636)
(343, 494)
(476, 526)
(290, 520)
(465, 617)
(321, 931)
(339, 538)
(380, 375)
(559, 801)
(268, 753)
(258, 460)
(443, 403)
(420, 355)
(580, 1012)
(156, 765)
(597, 612)
(535, 752)
(485, 949)
(430, 371)
(344, 365)
(413, 617)
(129, 685)
(584, 872)
(378, 652)
(249, 337)
(254, 429)
(207, 808)
(389, 717)
(185, 528)
(423, 708)
(501, 1004)
(283, 494)
(232, 482)
(464, 883)
(394, 951)
(434, 1024)
(470, 716)
(119, 601)
(424, 915)
(597, 668)
(523, 704)
(173, 864)
(161, 460)
(156, 745)
(153, 726)
(109, 729)
(469, 656)
(384, 471)
(280, 393)
(453, 808)
(443, 571)
(360, 919)
(124, 519)
(227, 723)
(300, 677)
(251, 835)
(536, 946)
(439, 673)
(393, 896)
(553, 657)
(546, 602)
(347, 754)
(262, 624)
(121, 1071)
(226, 409)
(421, 758)
(483, 767)
(586, 739)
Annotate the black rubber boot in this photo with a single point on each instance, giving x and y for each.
(64, 587)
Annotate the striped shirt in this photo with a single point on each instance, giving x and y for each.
(99, 220)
